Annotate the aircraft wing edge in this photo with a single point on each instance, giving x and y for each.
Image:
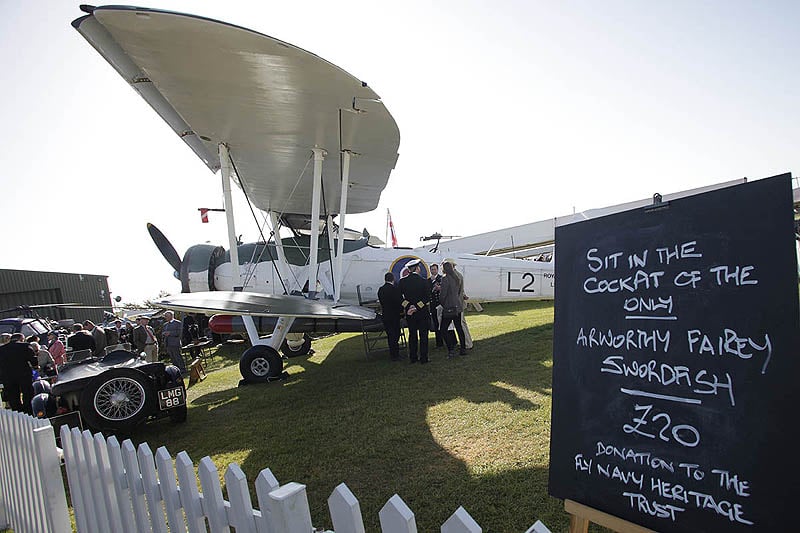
(102, 41)
(258, 304)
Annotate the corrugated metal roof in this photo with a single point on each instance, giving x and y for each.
(26, 287)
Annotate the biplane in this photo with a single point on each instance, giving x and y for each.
(307, 143)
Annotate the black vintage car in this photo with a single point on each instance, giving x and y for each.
(115, 392)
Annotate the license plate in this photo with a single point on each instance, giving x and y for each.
(169, 398)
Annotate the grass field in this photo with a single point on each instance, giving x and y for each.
(472, 431)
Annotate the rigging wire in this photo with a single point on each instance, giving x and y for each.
(251, 272)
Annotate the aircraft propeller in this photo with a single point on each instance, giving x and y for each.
(165, 247)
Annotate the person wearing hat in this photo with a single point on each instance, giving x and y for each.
(56, 348)
(144, 338)
(416, 297)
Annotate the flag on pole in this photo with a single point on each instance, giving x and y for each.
(391, 229)
(203, 215)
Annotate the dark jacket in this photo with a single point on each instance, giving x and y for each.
(100, 342)
(452, 293)
(16, 361)
(434, 290)
(81, 340)
(391, 301)
(416, 291)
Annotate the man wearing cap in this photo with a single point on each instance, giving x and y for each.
(144, 338)
(416, 296)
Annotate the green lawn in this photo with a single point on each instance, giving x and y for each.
(472, 431)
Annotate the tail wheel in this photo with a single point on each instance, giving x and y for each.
(296, 344)
(260, 363)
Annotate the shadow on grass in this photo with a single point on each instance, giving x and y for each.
(423, 432)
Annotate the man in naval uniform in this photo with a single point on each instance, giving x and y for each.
(416, 296)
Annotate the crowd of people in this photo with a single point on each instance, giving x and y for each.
(22, 360)
(435, 303)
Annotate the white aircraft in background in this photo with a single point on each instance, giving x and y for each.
(262, 111)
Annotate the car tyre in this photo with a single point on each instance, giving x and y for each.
(117, 399)
(296, 350)
(260, 364)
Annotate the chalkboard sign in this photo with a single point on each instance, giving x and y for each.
(677, 362)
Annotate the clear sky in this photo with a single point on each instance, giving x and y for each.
(509, 112)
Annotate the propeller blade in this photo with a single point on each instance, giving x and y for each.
(165, 247)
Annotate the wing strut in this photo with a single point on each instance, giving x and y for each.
(339, 275)
(226, 172)
(319, 157)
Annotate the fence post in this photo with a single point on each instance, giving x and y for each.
(461, 522)
(538, 527)
(121, 492)
(190, 496)
(213, 503)
(265, 483)
(239, 495)
(345, 511)
(57, 515)
(135, 485)
(151, 490)
(396, 517)
(289, 512)
(5, 465)
(169, 490)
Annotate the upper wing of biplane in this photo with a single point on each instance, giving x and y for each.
(268, 101)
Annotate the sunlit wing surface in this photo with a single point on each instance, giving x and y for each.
(257, 304)
(269, 101)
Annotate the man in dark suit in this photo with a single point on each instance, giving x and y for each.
(392, 310)
(80, 339)
(417, 294)
(16, 361)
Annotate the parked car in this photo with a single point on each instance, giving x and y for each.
(26, 326)
(115, 392)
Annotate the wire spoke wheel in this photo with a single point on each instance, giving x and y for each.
(119, 399)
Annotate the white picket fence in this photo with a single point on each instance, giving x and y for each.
(120, 488)
(31, 491)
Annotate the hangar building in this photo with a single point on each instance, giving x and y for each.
(26, 287)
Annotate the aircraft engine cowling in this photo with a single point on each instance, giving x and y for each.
(198, 265)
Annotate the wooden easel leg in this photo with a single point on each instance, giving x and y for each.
(578, 524)
(196, 372)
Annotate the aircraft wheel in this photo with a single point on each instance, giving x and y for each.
(296, 347)
(260, 363)
(117, 399)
